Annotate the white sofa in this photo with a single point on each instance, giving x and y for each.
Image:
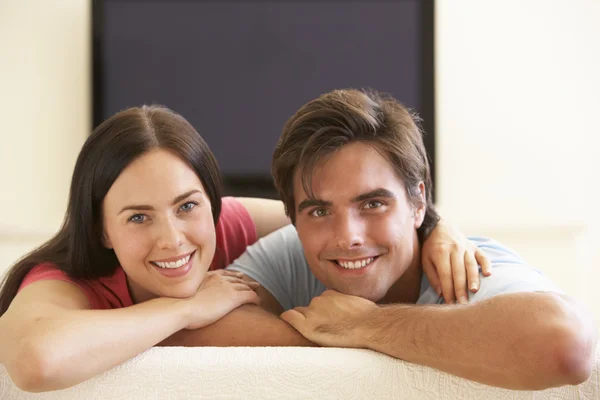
(284, 373)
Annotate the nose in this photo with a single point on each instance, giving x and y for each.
(170, 236)
(349, 232)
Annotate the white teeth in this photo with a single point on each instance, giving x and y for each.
(355, 264)
(173, 264)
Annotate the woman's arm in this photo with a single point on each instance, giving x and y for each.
(451, 263)
(268, 215)
(50, 339)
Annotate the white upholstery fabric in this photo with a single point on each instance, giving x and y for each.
(283, 373)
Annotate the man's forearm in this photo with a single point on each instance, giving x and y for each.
(519, 341)
(248, 325)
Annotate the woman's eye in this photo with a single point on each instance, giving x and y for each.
(189, 206)
(319, 212)
(137, 218)
(373, 204)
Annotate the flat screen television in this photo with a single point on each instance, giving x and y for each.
(237, 70)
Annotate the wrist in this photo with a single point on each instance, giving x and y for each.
(179, 309)
(385, 325)
(367, 329)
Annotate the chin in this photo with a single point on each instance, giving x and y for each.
(182, 292)
(375, 298)
(369, 295)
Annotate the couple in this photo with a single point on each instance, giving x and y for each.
(139, 260)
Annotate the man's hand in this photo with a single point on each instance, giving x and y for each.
(332, 319)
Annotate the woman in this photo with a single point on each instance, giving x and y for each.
(139, 256)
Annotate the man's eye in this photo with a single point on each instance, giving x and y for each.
(373, 204)
(189, 206)
(319, 212)
(137, 218)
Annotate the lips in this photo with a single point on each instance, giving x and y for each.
(173, 263)
(356, 266)
(176, 267)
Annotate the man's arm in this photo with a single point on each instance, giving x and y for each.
(517, 341)
(248, 325)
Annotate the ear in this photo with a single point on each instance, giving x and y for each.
(105, 240)
(422, 208)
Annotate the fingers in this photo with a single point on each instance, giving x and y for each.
(228, 272)
(482, 260)
(432, 275)
(472, 270)
(459, 276)
(444, 268)
(235, 279)
(242, 287)
(252, 285)
(224, 278)
(244, 277)
(246, 296)
(294, 317)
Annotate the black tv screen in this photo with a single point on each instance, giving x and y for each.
(237, 70)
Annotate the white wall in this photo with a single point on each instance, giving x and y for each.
(45, 113)
(518, 94)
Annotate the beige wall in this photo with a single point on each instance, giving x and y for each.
(517, 85)
(45, 113)
(518, 88)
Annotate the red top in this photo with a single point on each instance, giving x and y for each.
(235, 231)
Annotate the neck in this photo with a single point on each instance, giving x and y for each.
(137, 293)
(408, 287)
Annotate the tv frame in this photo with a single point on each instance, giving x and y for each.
(235, 183)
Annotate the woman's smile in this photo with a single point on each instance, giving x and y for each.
(175, 266)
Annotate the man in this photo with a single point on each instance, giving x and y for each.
(352, 171)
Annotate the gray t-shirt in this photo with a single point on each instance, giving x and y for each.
(277, 262)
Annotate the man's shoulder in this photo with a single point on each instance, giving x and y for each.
(497, 252)
(288, 233)
(510, 272)
(284, 241)
(281, 248)
(277, 262)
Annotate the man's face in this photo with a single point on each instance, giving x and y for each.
(359, 233)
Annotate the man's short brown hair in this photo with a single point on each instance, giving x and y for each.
(322, 126)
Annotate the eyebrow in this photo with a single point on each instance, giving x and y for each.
(147, 207)
(379, 192)
(304, 204)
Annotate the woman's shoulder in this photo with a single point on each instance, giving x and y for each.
(103, 293)
(44, 271)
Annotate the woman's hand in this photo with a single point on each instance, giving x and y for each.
(450, 262)
(221, 292)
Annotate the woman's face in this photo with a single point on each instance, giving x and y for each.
(158, 219)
